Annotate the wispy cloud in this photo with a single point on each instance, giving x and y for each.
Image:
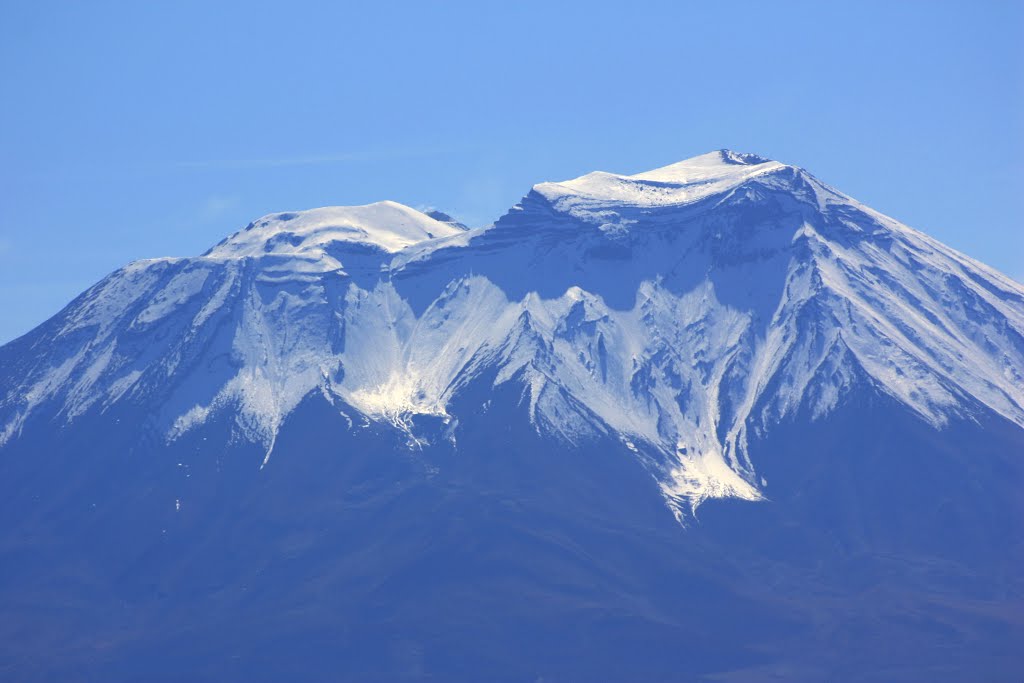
(310, 160)
(270, 162)
(217, 205)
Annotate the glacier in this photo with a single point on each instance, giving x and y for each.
(681, 310)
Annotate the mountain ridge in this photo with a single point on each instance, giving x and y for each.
(762, 433)
(679, 320)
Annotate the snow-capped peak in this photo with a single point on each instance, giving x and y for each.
(682, 328)
(715, 166)
(386, 225)
(680, 183)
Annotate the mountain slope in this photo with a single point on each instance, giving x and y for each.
(680, 308)
(372, 416)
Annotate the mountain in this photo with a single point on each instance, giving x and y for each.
(717, 421)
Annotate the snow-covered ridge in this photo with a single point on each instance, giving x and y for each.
(680, 183)
(386, 225)
(705, 326)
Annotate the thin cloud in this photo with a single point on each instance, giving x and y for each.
(217, 205)
(312, 160)
(268, 163)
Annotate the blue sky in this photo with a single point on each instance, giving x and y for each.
(131, 132)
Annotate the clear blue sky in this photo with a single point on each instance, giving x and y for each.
(130, 132)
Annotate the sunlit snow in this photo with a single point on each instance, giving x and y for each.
(683, 309)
